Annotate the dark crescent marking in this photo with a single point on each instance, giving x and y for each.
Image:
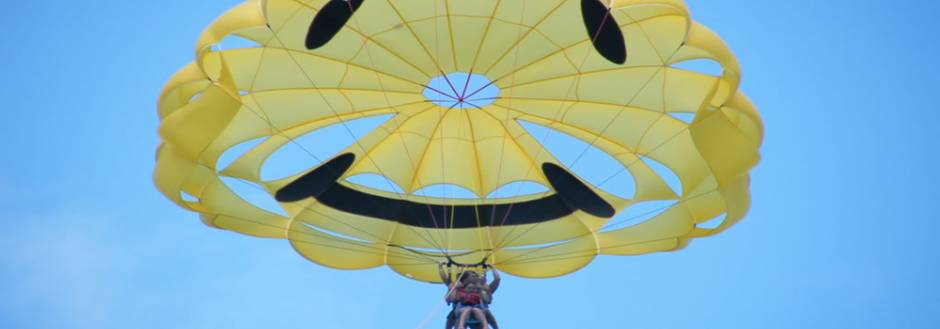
(604, 31)
(321, 184)
(329, 21)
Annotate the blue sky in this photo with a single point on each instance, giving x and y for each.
(840, 235)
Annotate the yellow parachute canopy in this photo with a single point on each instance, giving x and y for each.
(608, 73)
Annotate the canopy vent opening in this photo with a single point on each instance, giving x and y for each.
(461, 90)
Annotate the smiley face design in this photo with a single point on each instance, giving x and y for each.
(466, 94)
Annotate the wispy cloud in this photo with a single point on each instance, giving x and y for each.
(72, 269)
(59, 270)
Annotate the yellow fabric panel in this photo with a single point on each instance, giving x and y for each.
(450, 157)
(245, 125)
(500, 160)
(247, 15)
(248, 166)
(258, 34)
(702, 43)
(262, 226)
(632, 249)
(534, 234)
(238, 215)
(727, 151)
(171, 173)
(549, 261)
(685, 91)
(408, 148)
(745, 116)
(677, 151)
(542, 59)
(672, 223)
(705, 201)
(404, 39)
(737, 201)
(639, 7)
(649, 185)
(186, 83)
(194, 127)
(331, 220)
(335, 252)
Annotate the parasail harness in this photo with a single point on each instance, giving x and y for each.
(463, 269)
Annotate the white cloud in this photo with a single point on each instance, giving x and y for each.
(164, 269)
(59, 270)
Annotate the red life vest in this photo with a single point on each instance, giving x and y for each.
(469, 298)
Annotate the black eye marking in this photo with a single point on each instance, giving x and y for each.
(604, 31)
(331, 18)
(318, 181)
(321, 184)
(575, 194)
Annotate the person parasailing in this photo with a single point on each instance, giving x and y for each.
(470, 295)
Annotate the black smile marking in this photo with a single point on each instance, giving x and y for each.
(604, 31)
(329, 21)
(321, 184)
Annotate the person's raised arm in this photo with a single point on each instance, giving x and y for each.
(495, 284)
(445, 277)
